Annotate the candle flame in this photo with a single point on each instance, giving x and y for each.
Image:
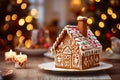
(20, 53)
(10, 50)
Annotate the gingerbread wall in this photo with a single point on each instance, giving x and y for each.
(67, 53)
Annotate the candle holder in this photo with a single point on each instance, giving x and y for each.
(10, 56)
(20, 61)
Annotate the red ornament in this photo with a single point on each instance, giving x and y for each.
(108, 35)
(46, 45)
(92, 7)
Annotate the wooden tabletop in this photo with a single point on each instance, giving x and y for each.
(32, 72)
(114, 72)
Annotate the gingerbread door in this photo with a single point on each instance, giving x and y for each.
(67, 57)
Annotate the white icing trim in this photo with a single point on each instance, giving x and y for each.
(81, 18)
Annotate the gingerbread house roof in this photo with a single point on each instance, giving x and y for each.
(88, 42)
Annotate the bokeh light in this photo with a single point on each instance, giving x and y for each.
(5, 27)
(21, 39)
(97, 0)
(90, 20)
(109, 11)
(14, 16)
(28, 19)
(23, 6)
(18, 33)
(29, 27)
(118, 26)
(28, 43)
(21, 22)
(19, 1)
(7, 18)
(107, 49)
(9, 37)
(103, 16)
(114, 30)
(101, 24)
(83, 9)
(34, 12)
(114, 15)
(97, 33)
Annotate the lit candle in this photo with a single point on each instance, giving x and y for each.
(20, 60)
(10, 55)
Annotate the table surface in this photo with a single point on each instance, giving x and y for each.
(32, 72)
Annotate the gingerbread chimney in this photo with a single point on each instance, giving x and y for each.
(82, 25)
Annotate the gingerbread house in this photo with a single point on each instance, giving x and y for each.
(76, 47)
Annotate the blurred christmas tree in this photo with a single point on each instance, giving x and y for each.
(104, 19)
(16, 23)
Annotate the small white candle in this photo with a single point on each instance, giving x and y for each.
(10, 55)
(20, 60)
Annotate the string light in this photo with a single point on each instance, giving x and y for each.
(101, 24)
(114, 15)
(90, 20)
(18, 33)
(109, 11)
(28, 19)
(75, 2)
(83, 9)
(34, 12)
(9, 37)
(21, 22)
(103, 16)
(97, 33)
(14, 16)
(107, 49)
(21, 39)
(19, 1)
(23, 6)
(5, 27)
(29, 27)
(28, 43)
(97, 0)
(7, 18)
(114, 30)
(118, 26)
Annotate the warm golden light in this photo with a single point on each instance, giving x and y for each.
(7, 18)
(101, 24)
(29, 27)
(103, 17)
(28, 43)
(18, 33)
(97, 0)
(83, 9)
(9, 37)
(5, 27)
(14, 16)
(90, 20)
(19, 1)
(34, 12)
(109, 11)
(114, 16)
(118, 26)
(21, 22)
(97, 33)
(91, 0)
(28, 19)
(114, 30)
(23, 6)
(107, 49)
(21, 39)
(75, 2)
